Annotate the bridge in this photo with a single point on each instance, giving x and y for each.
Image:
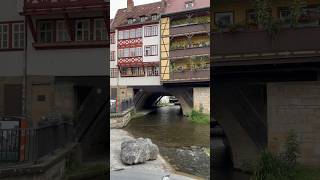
(265, 85)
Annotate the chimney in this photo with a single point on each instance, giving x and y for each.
(130, 5)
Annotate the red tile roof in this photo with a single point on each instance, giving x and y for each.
(179, 5)
(122, 16)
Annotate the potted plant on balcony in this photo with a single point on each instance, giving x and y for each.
(263, 9)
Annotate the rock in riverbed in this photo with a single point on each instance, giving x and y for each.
(138, 151)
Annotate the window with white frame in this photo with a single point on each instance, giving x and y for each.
(61, 31)
(112, 38)
(120, 35)
(143, 18)
(139, 32)
(112, 55)
(45, 32)
(114, 72)
(100, 32)
(151, 50)
(151, 31)
(18, 35)
(130, 52)
(126, 34)
(189, 5)
(153, 71)
(83, 30)
(224, 19)
(132, 33)
(4, 36)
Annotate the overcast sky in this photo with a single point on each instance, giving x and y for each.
(118, 4)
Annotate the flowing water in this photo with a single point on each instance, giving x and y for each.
(180, 142)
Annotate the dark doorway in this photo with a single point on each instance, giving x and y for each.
(13, 99)
(82, 93)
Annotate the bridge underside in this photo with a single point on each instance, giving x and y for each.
(257, 105)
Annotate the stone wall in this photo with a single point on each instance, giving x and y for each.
(120, 120)
(296, 106)
(201, 99)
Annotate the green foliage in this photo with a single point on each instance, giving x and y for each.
(296, 11)
(199, 117)
(263, 10)
(282, 166)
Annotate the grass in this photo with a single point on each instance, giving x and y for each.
(199, 117)
(304, 173)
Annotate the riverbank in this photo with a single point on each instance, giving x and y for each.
(157, 167)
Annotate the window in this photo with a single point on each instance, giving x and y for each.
(82, 30)
(151, 31)
(114, 72)
(151, 50)
(18, 35)
(61, 34)
(126, 34)
(224, 19)
(284, 15)
(132, 33)
(132, 71)
(143, 18)
(130, 52)
(154, 17)
(189, 5)
(112, 38)
(120, 34)
(45, 32)
(100, 30)
(153, 71)
(112, 55)
(130, 21)
(4, 36)
(139, 32)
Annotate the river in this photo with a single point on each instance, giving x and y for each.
(177, 138)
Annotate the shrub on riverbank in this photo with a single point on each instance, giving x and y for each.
(283, 166)
(199, 117)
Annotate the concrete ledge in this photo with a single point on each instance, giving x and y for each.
(49, 167)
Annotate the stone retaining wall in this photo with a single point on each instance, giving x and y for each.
(120, 120)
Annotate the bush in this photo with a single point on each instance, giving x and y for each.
(199, 117)
(282, 166)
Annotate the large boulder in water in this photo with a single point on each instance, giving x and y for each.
(138, 151)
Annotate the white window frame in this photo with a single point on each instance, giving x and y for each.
(21, 35)
(103, 30)
(64, 31)
(153, 31)
(46, 31)
(2, 35)
(151, 50)
(83, 30)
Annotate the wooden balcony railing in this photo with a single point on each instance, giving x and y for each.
(191, 29)
(189, 75)
(188, 52)
(253, 44)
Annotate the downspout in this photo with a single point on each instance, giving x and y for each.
(24, 81)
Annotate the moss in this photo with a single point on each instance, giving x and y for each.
(199, 117)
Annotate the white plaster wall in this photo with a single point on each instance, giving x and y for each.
(154, 40)
(140, 81)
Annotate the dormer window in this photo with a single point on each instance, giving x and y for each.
(154, 17)
(143, 18)
(130, 21)
(189, 5)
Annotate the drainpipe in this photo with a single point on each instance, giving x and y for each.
(24, 81)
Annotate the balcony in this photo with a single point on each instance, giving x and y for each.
(298, 42)
(190, 29)
(188, 52)
(42, 6)
(187, 75)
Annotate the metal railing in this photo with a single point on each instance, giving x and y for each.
(122, 106)
(31, 144)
